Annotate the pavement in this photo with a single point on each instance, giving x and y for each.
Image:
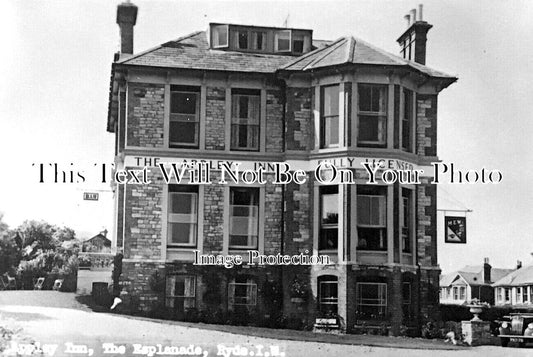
(44, 319)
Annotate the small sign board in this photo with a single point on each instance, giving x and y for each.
(90, 196)
(455, 229)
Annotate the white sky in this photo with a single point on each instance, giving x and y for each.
(55, 67)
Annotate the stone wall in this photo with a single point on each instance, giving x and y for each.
(146, 115)
(274, 121)
(426, 228)
(215, 115)
(426, 130)
(299, 119)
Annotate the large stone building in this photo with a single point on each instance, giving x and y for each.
(263, 95)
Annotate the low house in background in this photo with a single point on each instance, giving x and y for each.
(95, 262)
(97, 244)
(516, 288)
(470, 282)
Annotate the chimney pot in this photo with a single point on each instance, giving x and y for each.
(413, 16)
(407, 20)
(417, 30)
(420, 12)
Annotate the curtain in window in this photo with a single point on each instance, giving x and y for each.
(245, 121)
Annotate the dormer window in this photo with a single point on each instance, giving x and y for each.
(220, 36)
(249, 39)
(283, 41)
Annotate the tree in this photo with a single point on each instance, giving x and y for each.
(10, 253)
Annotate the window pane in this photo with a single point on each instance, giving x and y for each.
(368, 128)
(365, 98)
(220, 36)
(184, 203)
(183, 102)
(283, 42)
(183, 132)
(258, 40)
(331, 100)
(244, 217)
(182, 233)
(242, 38)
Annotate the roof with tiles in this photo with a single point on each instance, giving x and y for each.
(349, 50)
(193, 52)
(522, 276)
(473, 275)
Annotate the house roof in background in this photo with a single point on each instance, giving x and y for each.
(473, 275)
(522, 276)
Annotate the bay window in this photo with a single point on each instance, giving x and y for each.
(182, 215)
(184, 116)
(372, 115)
(245, 119)
(244, 218)
(371, 218)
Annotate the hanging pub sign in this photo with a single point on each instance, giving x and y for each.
(455, 229)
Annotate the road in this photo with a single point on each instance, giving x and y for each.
(64, 327)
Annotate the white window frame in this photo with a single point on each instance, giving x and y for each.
(382, 224)
(216, 38)
(325, 120)
(277, 38)
(175, 117)
(330, 300)
(249, 122)
(380, 116)
(462, 292)
(321, 225)
(382, 301)
(170, 292)
(191, 218)
(251, 288)
(403, 217)
(410, 147)
(257, 219)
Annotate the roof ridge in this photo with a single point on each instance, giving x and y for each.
(142, 53)
(331, 48)
(313, 52)
(351, 50)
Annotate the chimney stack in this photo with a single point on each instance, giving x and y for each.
(126, 19)
(413, 40)
(486, 271)
(518, 264)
